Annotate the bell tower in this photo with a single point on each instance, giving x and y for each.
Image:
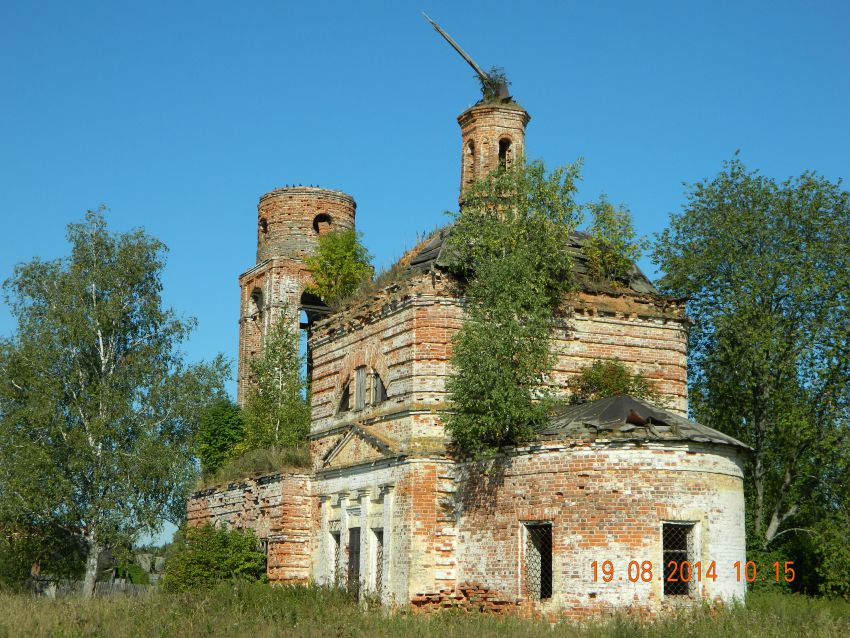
(289, 223)
(492, 131)
(493, 134)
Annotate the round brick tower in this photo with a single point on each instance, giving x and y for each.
(492, 133)
(290, 219)
(289, 223)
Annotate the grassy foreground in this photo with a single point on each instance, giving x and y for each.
(258, 611)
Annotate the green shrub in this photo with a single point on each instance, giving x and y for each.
(340, 265)
(613, 245)
(204, 556)
(220, 430)
(610, 377)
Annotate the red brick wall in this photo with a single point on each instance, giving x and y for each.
(278, 508)
(604, 502)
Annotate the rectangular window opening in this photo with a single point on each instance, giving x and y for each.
(677, 547)
(360, 388)
(380, 391)
(354, 559)
(379, 561)
(538, 560)
(336, 559)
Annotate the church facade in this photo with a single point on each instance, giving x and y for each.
(619, 504)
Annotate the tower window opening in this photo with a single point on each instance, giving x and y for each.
(257, 302)
(469, 162)
(505, 152)
(322, 223)
(264, 226)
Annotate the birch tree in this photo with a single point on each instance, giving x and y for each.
(98, 409)
(277, 413)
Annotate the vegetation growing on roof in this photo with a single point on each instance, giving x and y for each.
(340, 266)
(611, 377)
(509, 243)
(612, 246)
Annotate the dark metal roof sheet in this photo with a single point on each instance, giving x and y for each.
(630, 419)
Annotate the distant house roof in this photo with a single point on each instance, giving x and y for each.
(628, 419)
(434, 252)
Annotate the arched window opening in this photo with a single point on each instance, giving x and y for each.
(379, 390)
(469, 162)
(505, 152)
(345, 399)
(304, 353)
(264, 226)
(257, 302)
(322, 223)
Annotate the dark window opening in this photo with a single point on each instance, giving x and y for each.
(336, 559)
(354, 560)
(360, 388)
(345, 399)
(264, 226)
(677, 547)
(505, 152)
(322, 223)
(379, 561)
(257, 299)
(469, 162)
(538, 560)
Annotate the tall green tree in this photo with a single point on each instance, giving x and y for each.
(98, 410)
(766, 268)
(340, 265)
(221, 430)
(509, 244)
(613, 245)
(277, 410)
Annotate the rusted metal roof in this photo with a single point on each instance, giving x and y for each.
(625, 418)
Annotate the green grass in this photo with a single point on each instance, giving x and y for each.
(259, 611)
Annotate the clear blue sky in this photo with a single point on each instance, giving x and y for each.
(179, 115)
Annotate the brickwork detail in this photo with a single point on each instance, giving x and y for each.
(277, 507)
(386, 503)
(289, 223)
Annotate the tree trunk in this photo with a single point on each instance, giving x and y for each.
(91, 567)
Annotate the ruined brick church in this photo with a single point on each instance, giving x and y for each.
(595, 515)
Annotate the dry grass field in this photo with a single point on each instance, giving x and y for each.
(260, 611)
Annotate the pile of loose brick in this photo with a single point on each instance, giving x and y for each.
(468, 597)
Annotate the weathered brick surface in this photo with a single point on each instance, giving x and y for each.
(605, 501)
(277, 507)
(289, 222)
(436, 533)
(483, 128)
